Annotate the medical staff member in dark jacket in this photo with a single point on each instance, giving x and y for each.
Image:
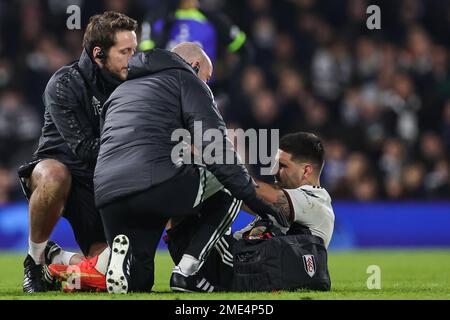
(59, 179)
(138, 186)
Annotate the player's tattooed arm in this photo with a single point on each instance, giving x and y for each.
(275, 196)
(267, 192)
(283, 205)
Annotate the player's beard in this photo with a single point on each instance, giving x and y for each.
(279, 181)
(285, 184)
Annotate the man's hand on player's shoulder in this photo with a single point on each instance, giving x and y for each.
(275, 196)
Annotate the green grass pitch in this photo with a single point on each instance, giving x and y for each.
(405, 274)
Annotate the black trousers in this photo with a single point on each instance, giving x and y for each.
(218, 265)
(143, 216)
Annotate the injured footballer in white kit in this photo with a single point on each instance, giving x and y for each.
(265, 256)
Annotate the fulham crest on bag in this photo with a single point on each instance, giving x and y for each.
(310, 264)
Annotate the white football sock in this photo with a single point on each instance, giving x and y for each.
(36, 251)
(189, 265)
(63, 257)
(102, 261)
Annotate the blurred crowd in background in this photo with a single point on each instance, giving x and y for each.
(380, 99)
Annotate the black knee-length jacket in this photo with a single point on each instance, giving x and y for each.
(163, 94)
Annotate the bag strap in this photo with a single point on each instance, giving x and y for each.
(312, 239)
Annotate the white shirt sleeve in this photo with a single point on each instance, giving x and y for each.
(302, 204)
(313, 211)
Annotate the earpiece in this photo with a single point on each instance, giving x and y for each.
(101, 55)
(196, 69)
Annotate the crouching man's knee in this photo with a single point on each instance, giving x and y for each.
(51, 176)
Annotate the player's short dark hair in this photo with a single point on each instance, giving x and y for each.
(304, 146)
(101, 30)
